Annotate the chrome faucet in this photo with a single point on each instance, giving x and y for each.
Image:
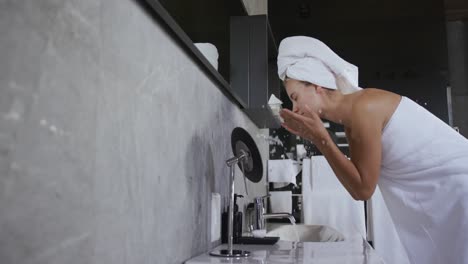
(258, 217)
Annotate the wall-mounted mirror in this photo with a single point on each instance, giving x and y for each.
(207, 21)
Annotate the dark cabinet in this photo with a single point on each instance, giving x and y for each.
(253, 68)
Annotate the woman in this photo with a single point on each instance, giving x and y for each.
(419, 162)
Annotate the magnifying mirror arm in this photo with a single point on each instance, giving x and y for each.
(232, 162)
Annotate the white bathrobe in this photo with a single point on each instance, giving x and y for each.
(424, 182)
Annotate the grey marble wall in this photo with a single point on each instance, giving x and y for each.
(111, 138)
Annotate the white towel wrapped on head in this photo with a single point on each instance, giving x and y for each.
(308, 59)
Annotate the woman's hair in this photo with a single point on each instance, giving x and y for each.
(304, 82)
(328, 90)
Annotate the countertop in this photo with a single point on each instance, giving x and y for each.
(354, 250)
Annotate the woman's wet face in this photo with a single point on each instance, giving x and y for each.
(301, 94)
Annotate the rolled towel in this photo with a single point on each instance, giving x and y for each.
(275, 105)
(308, 59)
(210, 52)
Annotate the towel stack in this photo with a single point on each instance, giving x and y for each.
(282, 171)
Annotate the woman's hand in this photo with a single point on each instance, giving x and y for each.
(308, 126)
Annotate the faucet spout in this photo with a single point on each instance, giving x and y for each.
(260, 217)
(280, 216)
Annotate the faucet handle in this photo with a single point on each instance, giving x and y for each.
(261, 198)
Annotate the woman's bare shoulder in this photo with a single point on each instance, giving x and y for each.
(378, 94)
(376, 103)
(377, 99)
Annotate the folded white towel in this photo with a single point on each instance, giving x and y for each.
(323, 178)
(281, 202)
(383, 232)
(326, 202)
(308, 59)
(284, 170)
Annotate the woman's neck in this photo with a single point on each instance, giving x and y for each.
(338, 108)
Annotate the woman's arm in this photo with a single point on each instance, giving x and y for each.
(360, 174)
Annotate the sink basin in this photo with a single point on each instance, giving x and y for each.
(305, 233)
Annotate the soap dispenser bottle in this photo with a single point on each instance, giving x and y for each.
(237, 222)
(237, 229)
